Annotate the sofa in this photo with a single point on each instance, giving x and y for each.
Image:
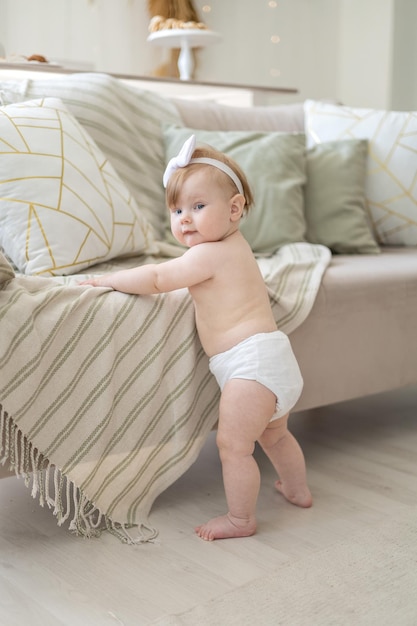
(111, 392)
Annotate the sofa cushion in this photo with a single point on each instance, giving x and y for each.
(362, 325)
(274, 164)
(391, 190)
(335, 197)
(62, 207)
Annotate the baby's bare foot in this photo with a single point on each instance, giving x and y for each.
(301, 498)
(226, 527)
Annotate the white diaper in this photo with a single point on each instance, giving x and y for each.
(267, 358)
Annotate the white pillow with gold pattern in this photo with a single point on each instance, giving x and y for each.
(62, 205)
(391, 174)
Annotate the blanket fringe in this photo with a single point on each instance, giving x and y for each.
(67, 500)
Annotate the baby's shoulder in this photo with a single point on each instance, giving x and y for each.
(220, 252)
(207, 250)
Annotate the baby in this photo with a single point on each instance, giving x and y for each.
(207, 195)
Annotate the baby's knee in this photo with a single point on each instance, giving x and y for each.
(274, 432)
(233, 445)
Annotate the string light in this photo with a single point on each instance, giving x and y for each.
(274, 72)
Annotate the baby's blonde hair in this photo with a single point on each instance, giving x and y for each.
(177, 179)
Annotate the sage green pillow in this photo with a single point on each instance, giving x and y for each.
(335, 204)
(274, 164)
(6, 270)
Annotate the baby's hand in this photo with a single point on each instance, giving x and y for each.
(90, 281)
(98, 281)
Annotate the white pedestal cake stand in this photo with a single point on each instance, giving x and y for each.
(186, 39)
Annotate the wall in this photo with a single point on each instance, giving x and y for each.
(308, 39)
(404, 81)
(361, 52)
(56, 29)
(366, 48)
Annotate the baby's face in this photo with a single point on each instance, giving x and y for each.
(203, 212)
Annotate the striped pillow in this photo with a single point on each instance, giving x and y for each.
(125, 123)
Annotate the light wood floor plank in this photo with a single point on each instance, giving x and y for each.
(361, 460)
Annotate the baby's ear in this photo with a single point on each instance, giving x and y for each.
(237, 204)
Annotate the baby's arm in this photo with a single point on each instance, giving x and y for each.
(185, 271)
(138, 280)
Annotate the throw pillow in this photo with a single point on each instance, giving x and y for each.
(274, 164)
(207, 115)
(391, 173)
(335, 197)
(62, 205)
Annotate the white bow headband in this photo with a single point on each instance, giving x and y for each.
(183, 159)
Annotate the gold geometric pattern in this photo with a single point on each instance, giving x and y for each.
(391, 176)
(62, 205)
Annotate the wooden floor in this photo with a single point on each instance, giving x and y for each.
(361, 459)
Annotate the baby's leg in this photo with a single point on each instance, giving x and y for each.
(286, 456)
(246, 408)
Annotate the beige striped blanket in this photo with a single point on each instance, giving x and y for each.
(106, 398)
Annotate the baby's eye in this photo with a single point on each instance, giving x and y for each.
(199, 206)
(176, 211)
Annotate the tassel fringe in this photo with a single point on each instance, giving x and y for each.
(67, 500)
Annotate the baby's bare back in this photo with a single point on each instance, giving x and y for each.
(234, 303)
